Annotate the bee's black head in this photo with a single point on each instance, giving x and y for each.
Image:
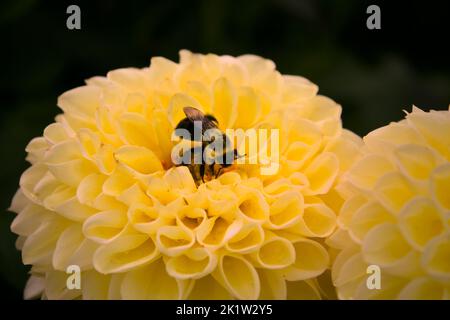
(212, 118)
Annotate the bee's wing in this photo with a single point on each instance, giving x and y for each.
(193, 114)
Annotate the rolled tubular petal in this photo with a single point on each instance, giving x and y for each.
(126, 252)
(238, 276)
(311, 260)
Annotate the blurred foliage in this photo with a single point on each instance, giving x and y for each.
(373, 74)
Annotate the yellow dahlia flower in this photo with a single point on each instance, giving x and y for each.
(397, 213)
(102, 193)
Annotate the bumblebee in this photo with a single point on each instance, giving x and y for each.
(204, 159)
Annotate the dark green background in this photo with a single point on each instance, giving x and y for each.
(373, 74)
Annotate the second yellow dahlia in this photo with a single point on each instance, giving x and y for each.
(397, 213)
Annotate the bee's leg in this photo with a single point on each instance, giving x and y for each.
(211, 172)
(202, 171)
(218, 172)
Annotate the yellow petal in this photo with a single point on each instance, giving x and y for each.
(34, 287)
(346, 149)
(56, 133)
(105, 160)
(275, 253)
(352, 268)
(131, 79)
(435, 128)
(248, 108)
(115, 286)
(95, 285)
(144, 218)
(89, 141)
(82, 256)
(252, 205)
(234, 70)
(69, 241)
(264, 77)
(248, 239)
(176, 105)
(117, 182)
(161, 68)
(349, 208)
(322, 173)
(394, 191)
(19, 202)
(90, 188)
(180, 178)
(273, 286)
(318, 220)
(238, 276)
(172, 240)
(366, 172)
(63, 152)
(36, 149)
(367, 217)
(39, 246)
(56, 287)
(302, 290)
(81, 101)
(134, 194)
(104, 121)
(385, 139)
(440, 185)
(422, 289)
(29, 219)
(420, 221)
(297, 88)
(391, 287)
(436, 258)
(384, 245)
(201, 93)
(72, 172)
(136, 130)
(207, 288)
(311, 260)
(225, 103)
(163, 131)
(139, 159)
(152, 283)
(286, 210)
(105, 226)
(125, 253)
(63, 200)
(194, 263)
(415, 161)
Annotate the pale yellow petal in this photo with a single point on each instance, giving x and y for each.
(34, 287)
(139, 159)
(152, 283)
(105, 226)
(126, 252)
(207, 288)
(311, 260)
(238, 276)
(440, 185)
(420, 221)
(225, 103)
